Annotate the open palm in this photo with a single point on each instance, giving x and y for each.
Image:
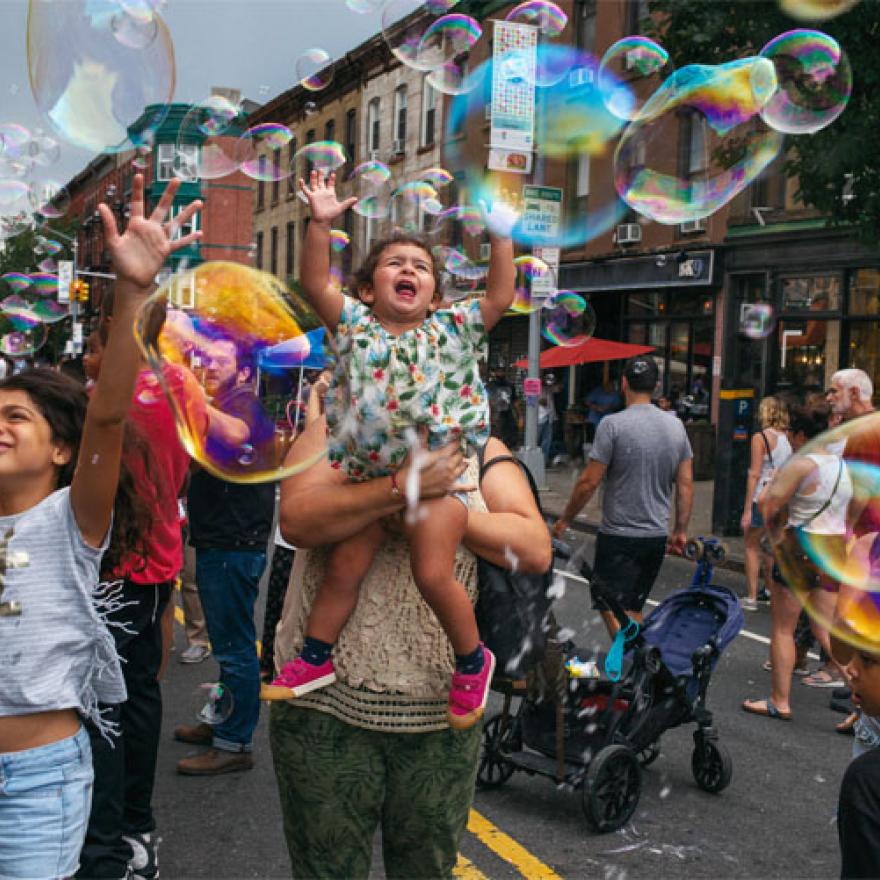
(139, 253)
(321, 196)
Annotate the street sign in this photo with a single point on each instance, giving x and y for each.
(65, 279)
(542, 211)
(531, 387)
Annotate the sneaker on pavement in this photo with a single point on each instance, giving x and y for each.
(196, 734)
(195, 654)
(468, 694)
(214, 762)
(144, 861)
(298, 678)
(748, 604)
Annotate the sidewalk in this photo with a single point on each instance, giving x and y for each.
(561, 479)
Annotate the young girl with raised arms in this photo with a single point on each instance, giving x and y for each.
(404, 363)
(60, 457)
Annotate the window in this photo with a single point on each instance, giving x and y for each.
(586, 24)
(273, 251)
(373, 125)
(864, 292)
(351, 134)
(174, 161)
(330, 130)
(180, 230)
(291, 167)
(429, 113)
(400, 118)
(582, 185)
(813, 293)
(696, 160)
(276, 175)
(261, 184)
(310, 139)
(637, 12)
(258, 257)
(291, 248)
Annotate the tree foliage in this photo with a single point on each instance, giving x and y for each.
(716, 31)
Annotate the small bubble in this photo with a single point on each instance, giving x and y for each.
(665, 791)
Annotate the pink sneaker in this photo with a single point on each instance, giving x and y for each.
(468, 694)
(298, 678)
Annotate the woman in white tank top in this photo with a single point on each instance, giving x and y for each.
(770, 450)
(815, 489)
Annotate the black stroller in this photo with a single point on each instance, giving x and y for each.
(597, 733)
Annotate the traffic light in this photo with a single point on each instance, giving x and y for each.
(79, 290)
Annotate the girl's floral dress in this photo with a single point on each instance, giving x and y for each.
(384, 384)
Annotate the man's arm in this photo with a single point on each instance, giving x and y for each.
(684, 499)
(589, 480)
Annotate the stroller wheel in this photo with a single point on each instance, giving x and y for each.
(649, 753)
(694, 549)
(612, 788)
(711, 764)
(718, 552)
(493, 769)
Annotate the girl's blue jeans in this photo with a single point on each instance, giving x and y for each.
(45, 798)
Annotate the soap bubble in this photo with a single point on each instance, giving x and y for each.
(215, 124)
(531, 270)
(314, 69)
(547, 66)
(421, 39)
(757, 321)
(50, 247)
(837, 575)
(459, 265)
(233, 328)
(339, 240)
(19, 312)
(547, 17)
(568, 319)
(15, 208)
(49, 311)
(92, 88)
(141, 160)
(370, 175)
(44, 283)
(23, 343)
(815, 82)
(816, 10)
(321, 156)
(467, 216)
(262, 152)
(17, 281)
(637, 58)
(728, 151)
(410, 202)
(373, 207)
(455, 35)
(363, 6)
(134, 32)
(437, 177)
(215, 703)
(49, 198)
(44, 150)
(48, 265)
(142, 10)
(14, 141)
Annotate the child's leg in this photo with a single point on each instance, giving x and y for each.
(335, 600)
(337, 595)
(434, 540)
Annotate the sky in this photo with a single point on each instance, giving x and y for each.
(251, 45)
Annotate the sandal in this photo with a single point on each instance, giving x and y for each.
(767, 666)
(848, 726)
(766, 709)
(822, 678)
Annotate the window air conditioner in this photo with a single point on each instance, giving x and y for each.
(629, 233)
(693, 226)
(397, 146)
(580, 76)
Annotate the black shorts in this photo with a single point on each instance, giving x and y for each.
(627, 568)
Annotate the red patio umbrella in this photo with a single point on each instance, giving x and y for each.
(589, 351)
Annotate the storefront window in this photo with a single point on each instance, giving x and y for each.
(864, 292)
(808, 353)
(813, 293)
(864, 349)
(645, 305)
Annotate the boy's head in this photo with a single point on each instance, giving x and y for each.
(391, 267)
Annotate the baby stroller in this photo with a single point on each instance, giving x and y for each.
(596, 734)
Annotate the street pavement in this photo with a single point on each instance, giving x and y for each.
(775, 820)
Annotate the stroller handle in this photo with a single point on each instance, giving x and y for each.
(564, 550)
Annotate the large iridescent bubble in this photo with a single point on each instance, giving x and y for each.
(832, 562)
(97, 92)
(816, 10)
(727, 149)
(425, 36)
(815, 81)
(208, 137)
(223, 338)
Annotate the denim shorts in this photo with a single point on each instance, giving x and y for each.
(757, 519)
(45, 799)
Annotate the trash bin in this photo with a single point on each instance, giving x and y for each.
(702, 439)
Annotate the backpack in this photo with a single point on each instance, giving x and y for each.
(512, 608)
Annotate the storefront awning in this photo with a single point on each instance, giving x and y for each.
(589, 351)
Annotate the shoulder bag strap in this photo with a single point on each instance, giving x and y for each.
(830, 498)
(485, 465)
(767, 447)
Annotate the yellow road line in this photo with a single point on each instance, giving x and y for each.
(467, 870)
(508, 849)
(178, 616)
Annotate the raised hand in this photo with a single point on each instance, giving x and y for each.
(321, 196)
(139, 253)
(500, 217)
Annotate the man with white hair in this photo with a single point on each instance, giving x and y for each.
(850, 394)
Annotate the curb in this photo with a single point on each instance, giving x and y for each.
(732, 563)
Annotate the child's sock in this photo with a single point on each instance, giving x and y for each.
(470, 664)
(315, 651)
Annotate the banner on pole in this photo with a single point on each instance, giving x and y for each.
(514, 63)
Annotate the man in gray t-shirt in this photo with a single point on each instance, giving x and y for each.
(641, 453)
